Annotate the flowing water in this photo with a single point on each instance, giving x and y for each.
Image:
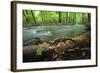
(47, 33)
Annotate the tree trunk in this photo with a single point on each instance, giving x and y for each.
(33, 16)
(67, 17)
(26, 16)
(59, 17)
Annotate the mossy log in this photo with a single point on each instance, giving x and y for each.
(83, 37)
(60, 49)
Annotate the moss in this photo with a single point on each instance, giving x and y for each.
(39, 51)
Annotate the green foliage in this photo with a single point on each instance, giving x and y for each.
(31, 17)
(39, 51)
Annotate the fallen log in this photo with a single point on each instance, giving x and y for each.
(59, 49)
(83, 37)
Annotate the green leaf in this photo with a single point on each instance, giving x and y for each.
(39, 51)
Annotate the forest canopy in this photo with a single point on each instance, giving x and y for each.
(35, 18)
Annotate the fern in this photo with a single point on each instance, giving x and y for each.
(39, 51)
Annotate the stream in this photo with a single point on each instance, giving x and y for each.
(48, 33)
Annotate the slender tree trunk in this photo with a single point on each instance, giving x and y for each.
(74, 18)
(41, 16)
(59, 17)
(83, 18)
(26, 16)
(33, 16)
(44, 16)
(67, 17)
